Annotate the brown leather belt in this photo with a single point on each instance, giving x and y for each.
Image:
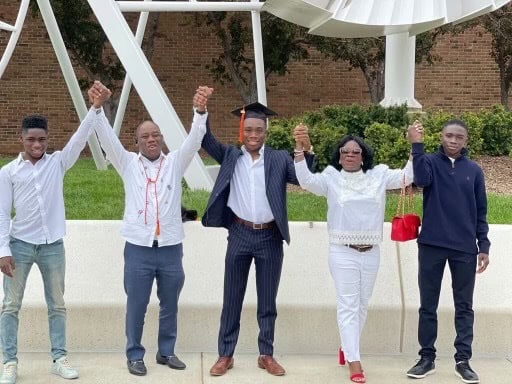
(360, 248)
(252, 225)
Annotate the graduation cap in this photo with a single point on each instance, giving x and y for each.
(251, 111)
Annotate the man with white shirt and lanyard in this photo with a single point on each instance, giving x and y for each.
(32, 186)
(152, 226)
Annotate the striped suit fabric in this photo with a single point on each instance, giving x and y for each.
(265, 246)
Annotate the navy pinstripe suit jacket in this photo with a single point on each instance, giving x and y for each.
(279, 170)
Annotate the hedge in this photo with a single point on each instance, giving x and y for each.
(490, 131)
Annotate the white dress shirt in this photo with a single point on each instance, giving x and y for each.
(35, 193)
(139, 225)
(248, 196)
(356, 201)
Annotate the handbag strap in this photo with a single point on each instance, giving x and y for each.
(406, 197)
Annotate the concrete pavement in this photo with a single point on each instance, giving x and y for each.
(110, 368)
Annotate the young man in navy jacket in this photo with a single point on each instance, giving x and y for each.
(454, 230)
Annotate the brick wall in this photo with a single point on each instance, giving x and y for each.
(465, 79)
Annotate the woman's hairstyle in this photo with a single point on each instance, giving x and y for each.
(367, 153)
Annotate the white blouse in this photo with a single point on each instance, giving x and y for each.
(356, 201)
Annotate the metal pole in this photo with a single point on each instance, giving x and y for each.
(127, 85)
(188, 6)
(400, 66)
(259, 65)
(16, 31)
(69, 76)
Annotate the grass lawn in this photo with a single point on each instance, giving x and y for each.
(98, 195)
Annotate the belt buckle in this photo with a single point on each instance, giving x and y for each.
(257, 226)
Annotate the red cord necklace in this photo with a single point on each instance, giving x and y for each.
(148, 182)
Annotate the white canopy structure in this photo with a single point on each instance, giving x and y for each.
(399, 20)
(367, 18)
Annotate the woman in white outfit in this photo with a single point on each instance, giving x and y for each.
(356, 200)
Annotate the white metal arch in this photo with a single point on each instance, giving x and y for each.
(15, 34)
(138, 69)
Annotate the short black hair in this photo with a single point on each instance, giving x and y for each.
(457, 122)
(367, 152)
(34, 121)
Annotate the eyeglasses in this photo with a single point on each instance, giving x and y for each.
(346, 151)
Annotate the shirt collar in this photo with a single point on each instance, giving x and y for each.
(145, 159)
(20, 160)
(261, 151)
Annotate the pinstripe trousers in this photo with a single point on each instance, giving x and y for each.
(265, 246)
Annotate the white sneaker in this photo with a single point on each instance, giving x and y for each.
(9, 373)
(62, 368)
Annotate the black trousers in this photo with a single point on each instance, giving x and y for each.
(265, 246)
(431, 263)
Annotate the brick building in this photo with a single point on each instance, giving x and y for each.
(465, 79)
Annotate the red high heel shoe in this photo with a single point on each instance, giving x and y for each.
(358, 377)
(341, 357)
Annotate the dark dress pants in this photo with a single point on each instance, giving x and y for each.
(265, 246)
(431, 263)
(142, 265)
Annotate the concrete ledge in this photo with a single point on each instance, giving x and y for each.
(306, 301)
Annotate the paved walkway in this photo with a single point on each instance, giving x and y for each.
(110, 368)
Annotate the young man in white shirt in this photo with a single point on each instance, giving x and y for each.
(152, 226)
(32, 186)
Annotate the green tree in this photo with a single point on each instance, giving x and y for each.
(368, 54)
(499, 25)
(282, 42)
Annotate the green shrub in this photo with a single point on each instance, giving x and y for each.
(497, 131)
(389, 144)
(323, 136)
(490, 132)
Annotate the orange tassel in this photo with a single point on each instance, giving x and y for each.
(158, 227)
(241, 129)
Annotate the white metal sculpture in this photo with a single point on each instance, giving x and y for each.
(400, 20)
(367, 18)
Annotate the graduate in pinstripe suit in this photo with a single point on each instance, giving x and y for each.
(249, 199)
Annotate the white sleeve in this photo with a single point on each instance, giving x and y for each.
(116, 154)
(75, 145)
(394, 177)
(5, 211)
(312, 182)
(192, 143)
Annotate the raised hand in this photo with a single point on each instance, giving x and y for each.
(98, 94)
(415, 132)
(201, 98)
(300, 134)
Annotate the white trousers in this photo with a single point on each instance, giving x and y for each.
(354, 275)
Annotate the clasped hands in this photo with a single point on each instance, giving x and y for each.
(415, 132)
(301, 136)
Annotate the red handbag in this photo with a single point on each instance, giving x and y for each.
(405, 226)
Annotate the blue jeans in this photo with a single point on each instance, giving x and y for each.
(142, 266)
(52, 264)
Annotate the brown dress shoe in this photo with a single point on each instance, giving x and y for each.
(221, 366)
(271, 365)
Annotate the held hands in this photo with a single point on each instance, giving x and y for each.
(201, 98)
(98, 94)
(300, 134)
(7, 265)
(415, 132)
